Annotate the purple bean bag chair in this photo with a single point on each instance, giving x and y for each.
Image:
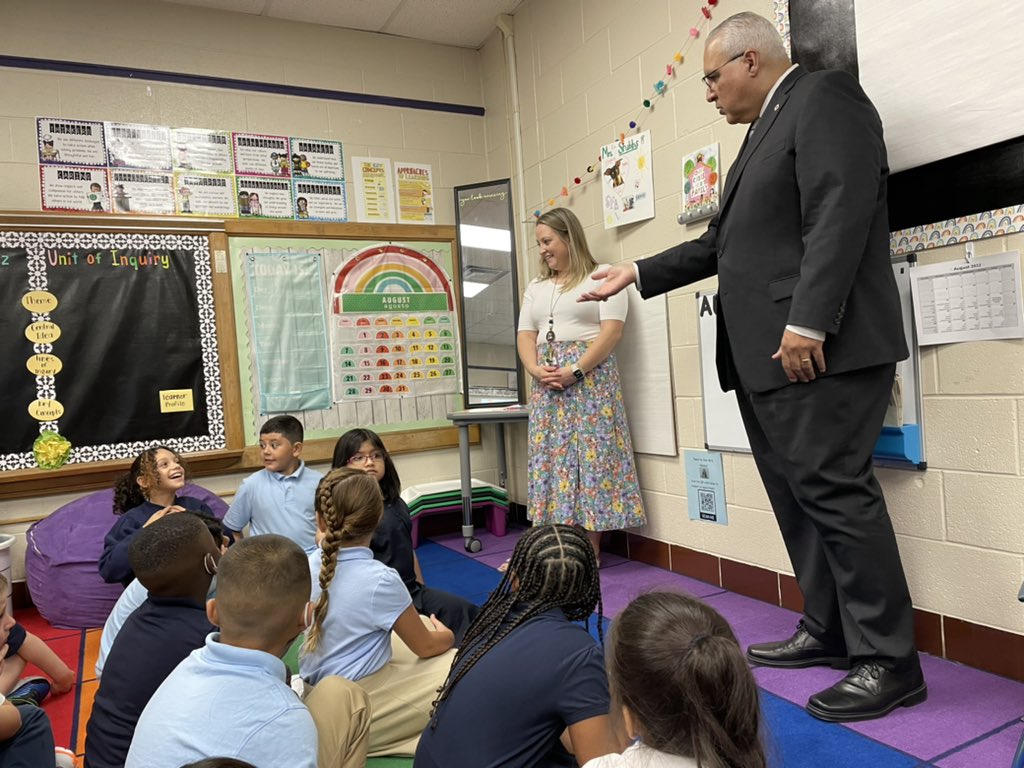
(63, 553)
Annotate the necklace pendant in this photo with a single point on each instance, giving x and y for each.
(550, 335)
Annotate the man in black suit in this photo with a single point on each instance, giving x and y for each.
(809, 334)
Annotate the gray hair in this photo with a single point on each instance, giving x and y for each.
(748, 31)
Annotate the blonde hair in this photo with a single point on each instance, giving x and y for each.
(568, 228)
(350, 505)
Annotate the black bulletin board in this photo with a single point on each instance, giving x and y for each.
(127, 334)
(133, 328)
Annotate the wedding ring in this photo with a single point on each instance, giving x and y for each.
(805, 359)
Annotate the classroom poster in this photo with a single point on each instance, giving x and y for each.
(141, 191)
(70, 188)
(705, 486)
(257, 154)
(197, 149)
(204, 194)
(702, 184)
(392, 325)
(320, 200)
(374, 195)
(71, 142)
(317, 158)
(415, 191)
(264, 198)
(627, 180)
(133, 145)
(286, 310)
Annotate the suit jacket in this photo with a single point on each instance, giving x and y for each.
(801, 238)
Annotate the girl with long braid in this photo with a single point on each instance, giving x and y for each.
(682, 686)
(358, 602)
(528, 684)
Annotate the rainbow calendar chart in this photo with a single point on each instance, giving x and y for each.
(393, 326)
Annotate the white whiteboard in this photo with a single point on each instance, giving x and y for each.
(723, 426)
(646, 370)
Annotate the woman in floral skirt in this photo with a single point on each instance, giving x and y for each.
(581, 468)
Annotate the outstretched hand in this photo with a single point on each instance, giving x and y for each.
(615, 279)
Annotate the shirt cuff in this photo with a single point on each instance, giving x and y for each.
(810, 333)
(636, 276)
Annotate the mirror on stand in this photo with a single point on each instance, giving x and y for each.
(489, 294)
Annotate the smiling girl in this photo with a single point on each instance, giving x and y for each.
(147, 492)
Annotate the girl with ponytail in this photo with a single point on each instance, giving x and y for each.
(358, 601)
(682, 687)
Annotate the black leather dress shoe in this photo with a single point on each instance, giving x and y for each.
(801, 650)
(869, 691)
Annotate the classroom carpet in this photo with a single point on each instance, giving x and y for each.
(972, 719)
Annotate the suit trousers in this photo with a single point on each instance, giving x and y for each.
(812, 443)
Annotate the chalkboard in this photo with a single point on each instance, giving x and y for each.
(108, 338)
(901, 444)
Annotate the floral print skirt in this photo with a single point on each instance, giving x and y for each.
(581, 468)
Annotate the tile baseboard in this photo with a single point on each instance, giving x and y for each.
(978, 646)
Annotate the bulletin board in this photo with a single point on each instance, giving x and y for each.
(110, 338)
(416, 418)
(900, 444)
(157, 317)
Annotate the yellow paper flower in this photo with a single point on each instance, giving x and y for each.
(51, 450)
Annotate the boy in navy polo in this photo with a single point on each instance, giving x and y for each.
(175, 559)
(278, 498)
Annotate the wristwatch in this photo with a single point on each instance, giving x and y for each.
(577, 372)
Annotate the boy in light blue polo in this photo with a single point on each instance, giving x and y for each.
(238, 680)
(279, 497)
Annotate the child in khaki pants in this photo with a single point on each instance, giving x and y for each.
(359, 601)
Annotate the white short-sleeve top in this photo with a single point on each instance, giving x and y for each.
(573, 321)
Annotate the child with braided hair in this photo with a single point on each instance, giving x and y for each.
(365, 627)
(706, 713)
(528, 684)
(392, 542)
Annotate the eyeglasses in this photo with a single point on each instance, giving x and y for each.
(362, 458)
(711, 78)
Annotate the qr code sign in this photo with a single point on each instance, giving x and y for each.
(706, 499)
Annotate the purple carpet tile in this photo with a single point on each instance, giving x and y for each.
(754, 621)
(620, 584)
(490, 544)
(997, 750)
(963, 704)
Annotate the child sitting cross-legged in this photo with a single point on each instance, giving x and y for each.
(528, 685)
(19, 648)
(392, 541)
(175, 559)
(231, 697)
(365, 626)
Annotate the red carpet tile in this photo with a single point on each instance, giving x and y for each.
(68, 644)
